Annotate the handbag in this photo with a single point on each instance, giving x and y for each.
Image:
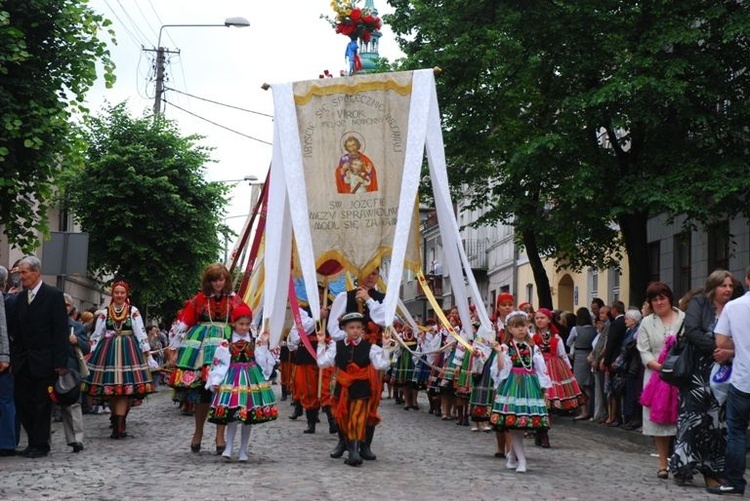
(677, 368)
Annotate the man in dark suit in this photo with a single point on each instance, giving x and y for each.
(39, 350)
(615, 337)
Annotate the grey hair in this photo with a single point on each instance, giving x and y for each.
(634, 314)
(32, 262)
(3, 276)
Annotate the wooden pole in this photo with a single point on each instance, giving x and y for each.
(323, 327)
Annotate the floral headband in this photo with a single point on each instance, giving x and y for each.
(514, 314)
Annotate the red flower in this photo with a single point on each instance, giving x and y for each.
(118, 390)
(510, 420)
(129, 389)
(220, 411)
(356, 15)
(366, 36)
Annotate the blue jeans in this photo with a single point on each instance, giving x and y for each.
(738, 415)
(7, 412)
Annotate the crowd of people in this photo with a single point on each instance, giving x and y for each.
(600, 364)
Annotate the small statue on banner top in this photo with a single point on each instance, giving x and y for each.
(358, 23)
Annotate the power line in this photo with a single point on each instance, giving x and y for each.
(216, 124)
(220, 104)
(148, 23)
(135, 25)
(161, 23)
(124, 26)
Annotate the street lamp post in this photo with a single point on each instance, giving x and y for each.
(237, 22)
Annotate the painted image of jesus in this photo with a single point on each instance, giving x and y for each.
(355, 172)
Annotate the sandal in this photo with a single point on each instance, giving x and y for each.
(663, 474)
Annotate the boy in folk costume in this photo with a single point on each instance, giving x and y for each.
(306, 376)
(354, 357)
(367, 301)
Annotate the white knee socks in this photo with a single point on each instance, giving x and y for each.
(516, 447)
(230, 433)
(244, 440)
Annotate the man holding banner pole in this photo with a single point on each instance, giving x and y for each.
(367, 301)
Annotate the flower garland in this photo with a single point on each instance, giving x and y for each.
(352, 21)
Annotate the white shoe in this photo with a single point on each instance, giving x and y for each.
(227, 454)
(511, 464)
(521, 467)
(243, 457)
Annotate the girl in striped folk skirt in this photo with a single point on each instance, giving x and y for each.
(239, 381)
(403, 371)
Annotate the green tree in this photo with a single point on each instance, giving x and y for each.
(151, 217)
(48, 55)
(611, 111)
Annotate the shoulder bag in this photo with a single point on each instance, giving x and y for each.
(677, 369)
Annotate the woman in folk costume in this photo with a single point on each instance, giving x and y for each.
(483, 392)
(202, 325)
(239, 381)
(432, 341)
(442, 375)
(565, 394)
(120, 359)
(521, 377)
(355, 382)
(428, 341)
(463, 377)
(404, 369)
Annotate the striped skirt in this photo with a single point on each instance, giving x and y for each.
(483, 392)
(403, 371)
(244, 396)
(117, 367)
(463, 381)
(196, 353)
(565, 394)
(519, 403)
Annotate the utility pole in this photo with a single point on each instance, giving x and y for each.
(160, 64)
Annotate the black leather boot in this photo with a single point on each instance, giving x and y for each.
(354, 458)
(312, 419)
(364, 447)
(332, 428)
(297, 411)
(284, 393)
(338, 451)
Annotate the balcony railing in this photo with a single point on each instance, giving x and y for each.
(435, 283)
(476, 253)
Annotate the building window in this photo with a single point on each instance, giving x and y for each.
(529, 293)
(594, 283)
(718, 247)
(614, 283)
(654, 250)
(682, 259)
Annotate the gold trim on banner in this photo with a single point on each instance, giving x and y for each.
(327, 90)
(439, 311)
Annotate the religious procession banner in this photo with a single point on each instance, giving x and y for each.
(346, 166)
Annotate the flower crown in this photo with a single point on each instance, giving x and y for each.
(352, 21)
(513, 314)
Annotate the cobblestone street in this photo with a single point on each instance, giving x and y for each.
(419, 457)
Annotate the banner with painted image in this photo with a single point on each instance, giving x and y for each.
(353, 138)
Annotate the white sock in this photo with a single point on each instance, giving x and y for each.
(230, 433)
(244, 440)
(516, 446)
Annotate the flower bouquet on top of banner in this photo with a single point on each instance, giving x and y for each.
(357, 23)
